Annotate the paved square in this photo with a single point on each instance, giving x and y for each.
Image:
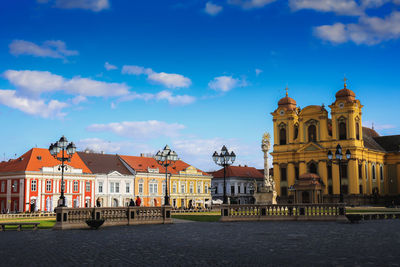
(369, 243)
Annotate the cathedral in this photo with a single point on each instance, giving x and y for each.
(303, 139)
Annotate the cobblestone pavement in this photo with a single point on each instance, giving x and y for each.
(369, 243)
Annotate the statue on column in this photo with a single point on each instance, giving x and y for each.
(266, 194)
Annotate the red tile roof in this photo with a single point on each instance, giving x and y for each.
(141, 164)
(239, 171)
(37, 158)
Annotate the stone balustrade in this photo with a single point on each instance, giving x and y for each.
(75, 218)
(283, 212)
(27, 215)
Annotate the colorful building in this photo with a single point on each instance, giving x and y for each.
(188, 186)
(303, 137)
(114, 182)
(32, 182)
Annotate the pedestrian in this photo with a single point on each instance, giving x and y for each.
(131, 203)
(138, 201)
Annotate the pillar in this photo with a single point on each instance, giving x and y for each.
(352, 126)
(335, 179)
(323, 173)
(353, 177)
(290, 174)
(302, 168)
(277, 178)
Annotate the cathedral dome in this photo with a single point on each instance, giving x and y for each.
(287, 102)
(345, 94)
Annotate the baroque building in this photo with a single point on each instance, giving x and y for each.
(303, 137)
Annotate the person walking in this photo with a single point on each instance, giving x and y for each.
(138, 201)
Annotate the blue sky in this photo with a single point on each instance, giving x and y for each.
(130, 76)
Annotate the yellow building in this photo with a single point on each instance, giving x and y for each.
(188, 186)
(303, 137)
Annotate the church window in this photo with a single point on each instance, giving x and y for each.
(366, 171)
(296, 172)
(360, 171)
(312, 168)
(373, 172)
(329, 170)
(344, 170)
(342, 131)
(381, 173)
(312, 133)
(357, 131)
(296, 131)
(282, 136)
(283, 191)
(361, 189)
(283, 174)
(330, 190)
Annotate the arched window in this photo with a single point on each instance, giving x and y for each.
(357, 131)
(296, 131)
(312, 168)
(282, 136)
(342, 131)
(373, 172)
(312, 133)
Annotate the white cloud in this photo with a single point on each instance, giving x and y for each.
(225, 83)
(169, 80)
(249, 4)
(32, 106)
(121, 147)
(109, 66)
(175, 100)
(37, 82)
(212, 9)
(93, 5)
(139, 129)
(341, 7)
(79, 99)
(368, 30)
(258, 71)
(52, 49)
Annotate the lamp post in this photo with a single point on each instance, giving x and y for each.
(70, 149)
(165, 158)
(339, 158)
(224, 159)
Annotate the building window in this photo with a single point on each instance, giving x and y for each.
(87, 186)
(3, 186)
(198, 188)
(342, 131)
(381, 173)
(48, 185)
(296, 172)
(33, 185)
(127, 186)
(153, 188)
(232, 189)
(282, 136)
(283, 174)
(183, 188)
(357, 131)
(329, 170)
(15, 186)
(344, 170)
(76, 186)
(361, 189)
(366, 171)
(330, 190)
(373, 172)
(312, 168)
(312, 133)
(116, 187)
(296, 131)
(206, 189)
(174, 188)
(359, 171)
(112, 187)
(100, 187)
(283, 191)
(191, 189)
(140, 188)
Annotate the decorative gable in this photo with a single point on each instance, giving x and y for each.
(310, 147)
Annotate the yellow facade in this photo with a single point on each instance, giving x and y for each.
(303, 137)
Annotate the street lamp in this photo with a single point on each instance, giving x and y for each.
(165, 158)
(70, 149)
(339, 158)
(224, 159)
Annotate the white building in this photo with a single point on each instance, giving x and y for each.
(114, 182)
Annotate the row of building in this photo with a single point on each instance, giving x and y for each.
(32, 182)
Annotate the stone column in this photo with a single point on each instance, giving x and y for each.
(302, 168)
(290, 174)
(335, 179)
(353, 177)
(277, 178)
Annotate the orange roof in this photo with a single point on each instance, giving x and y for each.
(141, 164)
(37, 158)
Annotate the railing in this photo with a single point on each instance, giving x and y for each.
(195, 210)
(26, 215)
(289, 212)
(72, 218)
